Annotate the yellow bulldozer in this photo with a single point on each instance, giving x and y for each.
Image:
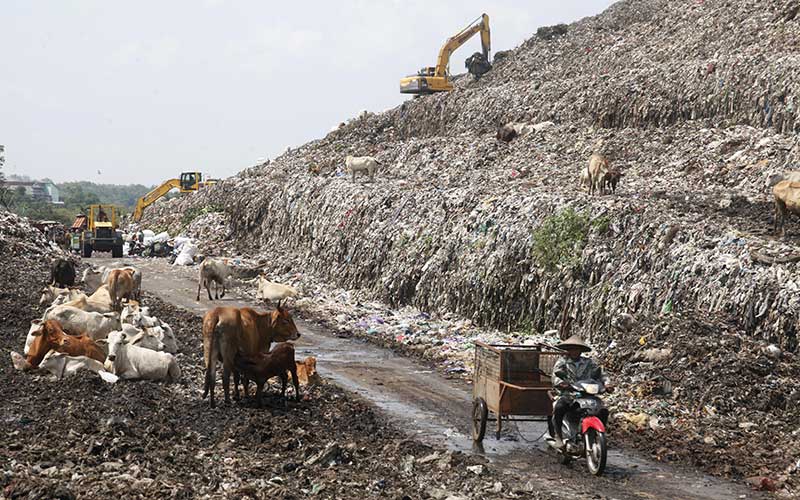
(98, 230)
(188, 183)
(437, 79)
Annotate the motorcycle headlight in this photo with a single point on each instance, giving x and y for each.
(591, 388)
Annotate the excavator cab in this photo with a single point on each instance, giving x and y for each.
(190, 181)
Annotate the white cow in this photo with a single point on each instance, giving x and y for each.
(60, 364)
(141, 338)
(99, 301)
(79, 322)
(269, 291)
(132, 362)
(51, 293)
(215, 271)
(138, 316)
(366, 164)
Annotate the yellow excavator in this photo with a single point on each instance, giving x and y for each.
(429, 80)
(189, 182)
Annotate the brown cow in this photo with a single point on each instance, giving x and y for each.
(787, 200)
(598, 166)
(120, 285)
(50, 336)
(231, 330)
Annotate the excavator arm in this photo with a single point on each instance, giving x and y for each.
(479, 25)
(151, 197)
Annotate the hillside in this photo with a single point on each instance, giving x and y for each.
(695, 101)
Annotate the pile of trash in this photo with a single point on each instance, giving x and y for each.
(18, 237)
(691, 101)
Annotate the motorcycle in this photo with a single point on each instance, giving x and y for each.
(584, 431)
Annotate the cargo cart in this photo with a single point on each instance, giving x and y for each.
(511, 380)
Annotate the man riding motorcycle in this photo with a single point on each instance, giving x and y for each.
(568, 370)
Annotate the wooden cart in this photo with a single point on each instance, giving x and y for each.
(511, 380)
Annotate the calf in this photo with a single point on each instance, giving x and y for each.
(366, 164)
(50, 336)
(138, 316)
(62, 273)
(307, 371)
(93, 278)
(120, 286)
(611, 179)
(77, 321)
(214, 271)
(262, 366)
(132, 362)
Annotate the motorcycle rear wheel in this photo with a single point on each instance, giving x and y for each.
(596, 451)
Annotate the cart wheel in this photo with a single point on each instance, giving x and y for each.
(480, 414)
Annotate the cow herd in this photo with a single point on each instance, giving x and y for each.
(112, 334)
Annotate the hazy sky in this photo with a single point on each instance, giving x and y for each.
(144, 90)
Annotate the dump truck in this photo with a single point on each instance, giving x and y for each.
(188, 183)
(99, 230)
(437, 79)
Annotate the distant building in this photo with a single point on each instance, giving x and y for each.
(43, 191)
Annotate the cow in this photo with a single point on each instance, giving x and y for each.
(120, 285)
(133, 362)
(585, 180)
(99, 301)
(506, 133)
(261, 366)
(307, 371)
(142, 338)
(228, 330)
(62, 273)
(79, 322)
(213, 271)
(93, 278)
(138, 316)
(50, 293)
(61, 364)
(269, 291)
(787, 200)
(366, 164)
(51, 336)
(598, 166)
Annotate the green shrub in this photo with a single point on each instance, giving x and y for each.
(559, 241)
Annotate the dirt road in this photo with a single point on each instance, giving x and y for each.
(436, 410)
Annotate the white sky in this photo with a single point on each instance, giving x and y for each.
(144, 90)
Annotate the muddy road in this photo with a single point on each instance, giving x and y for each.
(437, 411)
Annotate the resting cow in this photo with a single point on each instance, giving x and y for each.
(214, 271)
(132, 362)
(50, 336)
(228, 330)
(50, 293)
(61, 365)
(99, 301)
(79, 322)
(62, 273)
